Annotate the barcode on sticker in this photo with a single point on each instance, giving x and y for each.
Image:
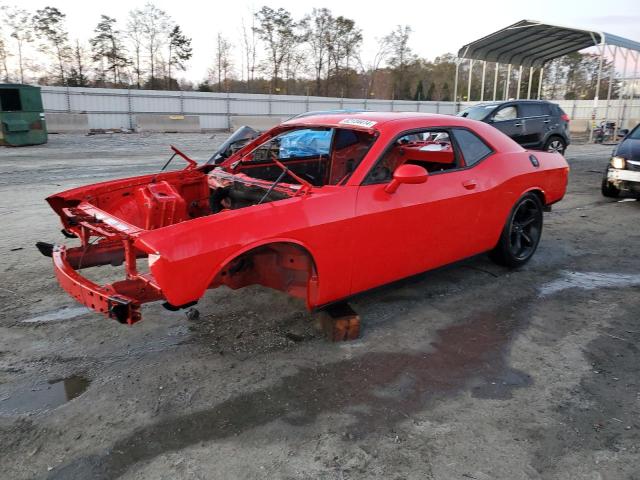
(358, 122)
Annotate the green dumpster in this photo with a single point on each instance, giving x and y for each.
(21, 115)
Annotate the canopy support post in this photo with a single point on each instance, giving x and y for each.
(540, 83)
(484, 71)
(469, 83)
(530, 82)
(603, 46)
(635, 79)
(621, 101)
(455, 86)
(495, 81)
(519, 82)
(506, 83)
(612, 72)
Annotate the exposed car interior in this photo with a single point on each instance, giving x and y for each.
(320, 156)
(430, 149)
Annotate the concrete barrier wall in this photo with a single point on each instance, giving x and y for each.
(67, 122)
(166, 123)
(579, 125)
(256, 122)
(118, 108)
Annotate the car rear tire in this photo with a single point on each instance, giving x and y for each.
(521, 234)
(555, 144)
(608, 190)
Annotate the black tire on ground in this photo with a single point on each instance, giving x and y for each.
(608, 190)
(521, 234)
(555, 144)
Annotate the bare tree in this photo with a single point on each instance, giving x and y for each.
(278, 30)
(155, 24)
(223, 61)
(294, 62)
(77, 71)
(316, 27)
(4, 54)
(344, 49)
(135, 35)
(401, 56)
(249, 43)
(48, 24)
(20, 29)
(371, 68)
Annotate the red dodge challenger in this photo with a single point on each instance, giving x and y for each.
(321, 207)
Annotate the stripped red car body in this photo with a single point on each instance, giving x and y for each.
(334, 230)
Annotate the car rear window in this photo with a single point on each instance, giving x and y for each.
(533, 110)
(472, 147)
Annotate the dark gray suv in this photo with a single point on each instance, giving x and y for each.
(534, 124)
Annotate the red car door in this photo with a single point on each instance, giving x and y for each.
(419, 227)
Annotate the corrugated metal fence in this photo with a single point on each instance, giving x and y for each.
(116, 108)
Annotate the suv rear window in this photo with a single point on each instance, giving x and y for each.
(533, 109)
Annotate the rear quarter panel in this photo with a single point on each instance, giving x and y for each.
(505, 177)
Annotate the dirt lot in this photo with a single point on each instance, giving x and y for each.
(469, 372)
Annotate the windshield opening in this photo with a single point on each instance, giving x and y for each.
(319, 156)
(635, 134)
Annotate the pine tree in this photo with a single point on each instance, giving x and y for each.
(108, 49)
(48, 25)
(179, 50)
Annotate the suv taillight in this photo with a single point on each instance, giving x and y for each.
(565, 117)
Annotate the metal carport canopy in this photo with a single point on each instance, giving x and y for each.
(529, 43)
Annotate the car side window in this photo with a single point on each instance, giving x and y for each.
(472, 147)
(532, 110)
(506, 113)
(429, 148)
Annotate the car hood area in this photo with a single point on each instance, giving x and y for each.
(151, 202)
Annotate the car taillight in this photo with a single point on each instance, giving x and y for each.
(565, 117)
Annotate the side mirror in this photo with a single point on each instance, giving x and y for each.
(410, 174)
(623, 132)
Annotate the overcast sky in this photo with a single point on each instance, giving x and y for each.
(438, 27)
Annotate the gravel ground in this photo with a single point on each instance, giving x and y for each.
(469, 372)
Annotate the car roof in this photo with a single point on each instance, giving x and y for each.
(500, 102)
(395, 123)
(368, 120)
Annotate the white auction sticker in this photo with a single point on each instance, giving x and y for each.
(358, 122)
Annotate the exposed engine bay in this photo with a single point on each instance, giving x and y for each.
(230, 192)
(185, 195)
(289, 164)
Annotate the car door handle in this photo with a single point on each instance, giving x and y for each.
(547, 121)
(517, 124)
(469, 184)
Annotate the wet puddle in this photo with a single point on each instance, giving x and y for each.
(589, 281)
(57, 315)
(378, 389)
(43, 397)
